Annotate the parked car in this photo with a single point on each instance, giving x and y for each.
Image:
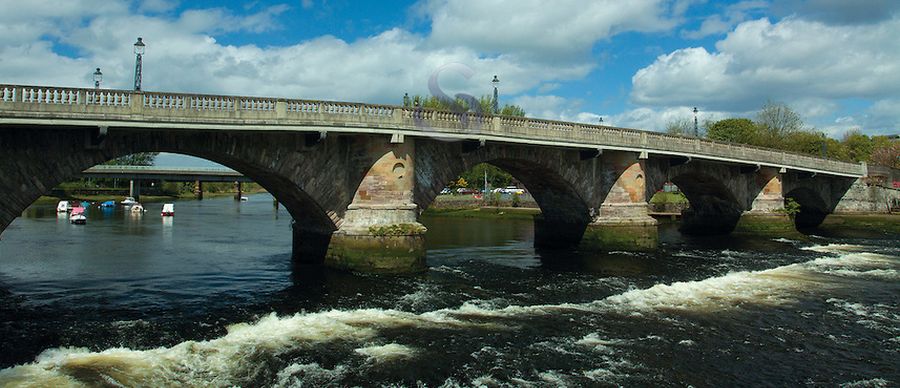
(446, 190)
(509, 190)
(513, 190)
(466, 190)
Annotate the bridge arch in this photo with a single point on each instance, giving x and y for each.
(813, 208)
(292, 178)
(565, 212)
(714, 208)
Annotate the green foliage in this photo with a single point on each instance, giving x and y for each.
(496, 177)
(492, 199)
(663, 197)
(859, 146)
(516, 200)
(138, 159)
(791, 207)
(735, 130)
(778, 126)
(396, 230)
(481, 105)
(512, 110)
(805, 142)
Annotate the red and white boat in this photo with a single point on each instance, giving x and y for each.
(168, 210)
(77, 217)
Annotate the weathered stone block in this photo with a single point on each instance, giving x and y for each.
(620, 238)
(380, 254)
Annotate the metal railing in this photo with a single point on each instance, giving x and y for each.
(81, 103)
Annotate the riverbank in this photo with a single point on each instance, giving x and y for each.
(484, 212)
(887, 223)
(49, 199)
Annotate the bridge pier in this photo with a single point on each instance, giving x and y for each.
(134, 189)
(198, 189)
(621, 222)
(767, 215)
(380, 231)
(239, 190)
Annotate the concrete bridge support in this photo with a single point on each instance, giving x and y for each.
(380, 231)
(134, 189)
(621, 222)
(767, 212)
(198, 189)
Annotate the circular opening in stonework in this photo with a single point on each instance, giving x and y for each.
(399, 169)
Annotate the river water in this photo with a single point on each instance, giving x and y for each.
(210, 298)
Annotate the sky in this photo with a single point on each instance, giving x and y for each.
(636, 63)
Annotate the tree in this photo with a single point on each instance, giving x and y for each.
(735, 130)
(775, 121)
(138, 159)
(885, 152)
(804, 142)
(496, 177)
(482, 105)
(859, 146)
(512, 110)
(681, 127)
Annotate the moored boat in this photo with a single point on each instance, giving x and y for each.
(128, 201)
(62, 207)
(108, 204)
(77, 217)
(137, 208)
(168, 210)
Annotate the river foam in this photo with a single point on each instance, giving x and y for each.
(240, 357)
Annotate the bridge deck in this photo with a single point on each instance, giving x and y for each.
(205, 174)
(122, 109)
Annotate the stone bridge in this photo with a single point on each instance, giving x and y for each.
(355, 177)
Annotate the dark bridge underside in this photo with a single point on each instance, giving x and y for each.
(35, 161)
(714, 209)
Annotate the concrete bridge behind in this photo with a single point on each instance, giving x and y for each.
(355, 177)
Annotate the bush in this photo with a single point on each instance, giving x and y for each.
(516, 200)
(396, 230)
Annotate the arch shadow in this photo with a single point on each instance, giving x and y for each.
(713, 210)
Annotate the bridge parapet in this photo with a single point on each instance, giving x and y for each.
(42, 102)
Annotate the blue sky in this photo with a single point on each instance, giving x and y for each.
(637, 63)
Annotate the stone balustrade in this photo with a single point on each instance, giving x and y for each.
(104, 104)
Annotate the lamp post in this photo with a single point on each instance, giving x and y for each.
(139, 52)
(696, 131)
(495, 105)
(98, 77)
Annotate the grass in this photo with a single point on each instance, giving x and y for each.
(485, 212)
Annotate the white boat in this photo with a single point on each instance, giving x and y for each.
(128, 201)
(137, 208)
(77, 217)
(245, 199)
(168, 210)
(62, 207)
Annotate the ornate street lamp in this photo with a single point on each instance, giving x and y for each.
(98, 77)
(139, 52)
(496, 103)
(696, 131)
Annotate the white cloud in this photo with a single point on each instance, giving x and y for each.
(545, 30)
(183, 56)
(731, 16)
(795, 61)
